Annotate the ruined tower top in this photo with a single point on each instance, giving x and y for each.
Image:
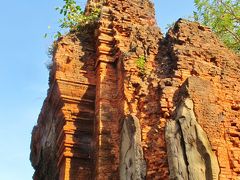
(126, 103)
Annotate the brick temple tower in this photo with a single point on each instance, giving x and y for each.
(126, 103)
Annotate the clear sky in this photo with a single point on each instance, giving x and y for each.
(24, 77)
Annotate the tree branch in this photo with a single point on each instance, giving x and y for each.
(235, 36)
(231, 11)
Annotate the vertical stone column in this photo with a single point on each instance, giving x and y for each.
(106, 129)
(132, 163)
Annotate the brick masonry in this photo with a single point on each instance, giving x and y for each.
(95, 83)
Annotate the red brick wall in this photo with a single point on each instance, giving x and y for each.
(95, 82)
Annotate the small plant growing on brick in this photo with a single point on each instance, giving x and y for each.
(74, 18)
(141, 64)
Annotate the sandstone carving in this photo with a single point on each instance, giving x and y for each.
(184, 97)
(132, 163)
(189, 151)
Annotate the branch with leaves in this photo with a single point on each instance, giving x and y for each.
(74, 17)
(223, 16)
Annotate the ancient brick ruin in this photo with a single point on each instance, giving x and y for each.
(106, 118)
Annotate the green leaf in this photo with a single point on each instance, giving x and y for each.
(223, 17)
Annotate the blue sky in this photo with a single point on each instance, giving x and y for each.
(24, 77)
